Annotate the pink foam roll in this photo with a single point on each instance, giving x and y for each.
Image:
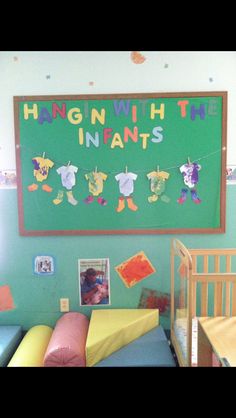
(66, 347)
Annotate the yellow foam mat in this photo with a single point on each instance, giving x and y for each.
(110, 330)
(31, 351)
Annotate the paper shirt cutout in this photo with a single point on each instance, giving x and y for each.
(157, 183)
(126, 183)
(6, 300)
(190, 174)
(95, 181)
(137, 57)
(41, 167)
(135, 269)
(67, 173)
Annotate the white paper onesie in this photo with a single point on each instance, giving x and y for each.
(126, 182)
(67, 175)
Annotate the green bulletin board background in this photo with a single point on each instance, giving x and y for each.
(198, 134)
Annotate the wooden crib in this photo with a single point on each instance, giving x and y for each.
(203, 283)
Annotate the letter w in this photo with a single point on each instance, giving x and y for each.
(121, 106)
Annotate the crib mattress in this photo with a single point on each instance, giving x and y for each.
(180, 327)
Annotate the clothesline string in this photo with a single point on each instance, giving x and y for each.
(60, 163)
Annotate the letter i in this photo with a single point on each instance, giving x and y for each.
(81, 136)
(134, 114)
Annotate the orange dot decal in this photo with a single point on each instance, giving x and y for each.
(137, 57)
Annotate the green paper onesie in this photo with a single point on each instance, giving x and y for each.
(158, 179)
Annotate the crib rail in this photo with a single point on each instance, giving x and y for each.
(207, 287)
(220, 275)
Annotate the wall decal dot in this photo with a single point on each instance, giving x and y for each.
(166, 65)
(15, 59)
(48, 76)
(137, 57)
(91, 83)
(211, 79)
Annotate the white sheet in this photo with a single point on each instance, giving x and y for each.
(180, 328)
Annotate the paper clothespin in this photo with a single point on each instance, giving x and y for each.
(158, 168)
(126, 169)
(43, 154)
(68, 164)
(189, 162)
(96, 169)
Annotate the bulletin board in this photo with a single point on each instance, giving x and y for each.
(150, 163)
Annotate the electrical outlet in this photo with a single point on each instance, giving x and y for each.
(64, 305)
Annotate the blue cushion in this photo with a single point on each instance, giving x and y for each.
(150, 350)
(10, 337)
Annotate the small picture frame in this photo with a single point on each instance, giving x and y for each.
(44, 265)
(231, 174)
(7, 179)
(94, 282)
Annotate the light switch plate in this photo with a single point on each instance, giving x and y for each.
(64, 305)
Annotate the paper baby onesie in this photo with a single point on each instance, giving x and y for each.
(190, 173)
(67, 173)
(126, 187)
(95, 182)
(158, 179)
(190, 177)
(41, 169)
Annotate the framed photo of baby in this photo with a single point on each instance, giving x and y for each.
(94, 282)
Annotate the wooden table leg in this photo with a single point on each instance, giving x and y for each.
(204, 349)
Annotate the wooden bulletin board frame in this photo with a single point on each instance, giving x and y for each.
(118, 133)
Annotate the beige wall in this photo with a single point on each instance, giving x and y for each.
(43, 73)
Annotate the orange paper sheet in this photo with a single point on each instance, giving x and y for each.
(135, 269)
(6, 300)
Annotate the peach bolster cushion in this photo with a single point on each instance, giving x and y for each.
(67, 344)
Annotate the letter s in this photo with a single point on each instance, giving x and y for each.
(156, 132)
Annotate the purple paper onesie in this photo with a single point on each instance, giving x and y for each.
(190, 174)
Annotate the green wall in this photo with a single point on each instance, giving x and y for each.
(37, 298)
